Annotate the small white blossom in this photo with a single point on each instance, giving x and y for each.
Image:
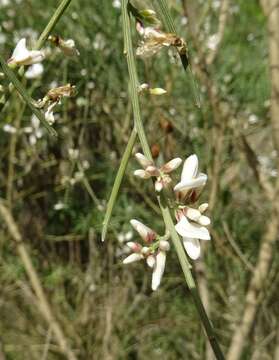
(192, 182)
(22, 56)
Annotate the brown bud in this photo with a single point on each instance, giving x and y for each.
(155, 150)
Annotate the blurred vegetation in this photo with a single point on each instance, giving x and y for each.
(108, 311)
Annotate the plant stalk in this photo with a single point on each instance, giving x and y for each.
(186, 267)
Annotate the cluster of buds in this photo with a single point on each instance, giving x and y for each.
(163, 179)
(154, 39)
(153, 251)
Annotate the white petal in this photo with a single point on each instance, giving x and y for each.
(186, 229)
(132, 258)
(158, 270)
(192, 247)
(35, 56)
(143, 160)
(171, 165)
(20, 52)
(145, 232)
(204, 220)
(142, 174)
(150, 260)
(192, 214)
(191, 183)
(190, 167)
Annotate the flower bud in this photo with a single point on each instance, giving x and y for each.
(203, 207)
(164, 245)
(147, 234)
(142, 174)
(143, 161)
(132, 258)
(134, 246)
(171, 165)
(157, 91)
(152, 170)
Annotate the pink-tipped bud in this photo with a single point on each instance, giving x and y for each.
(143, 161)
(147, 234)
(134, 246)
(171, 165)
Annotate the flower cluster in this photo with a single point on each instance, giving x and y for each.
(191, 222)
(149, 170)
(22, 56)
(153, 251)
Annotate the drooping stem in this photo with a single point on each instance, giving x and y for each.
(128, 50)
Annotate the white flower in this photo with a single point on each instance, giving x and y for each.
(192, 232)
(22, 56)
(34, 71)
(68, 47)
(191, 182)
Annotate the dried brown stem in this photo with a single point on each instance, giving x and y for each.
(43, 303)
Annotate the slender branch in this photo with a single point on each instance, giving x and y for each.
(118, 180)
(186, 267)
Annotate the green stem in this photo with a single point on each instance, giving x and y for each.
(51, 24)
(186, 267)
(23, 92)
(128, 51)
(118, 180)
